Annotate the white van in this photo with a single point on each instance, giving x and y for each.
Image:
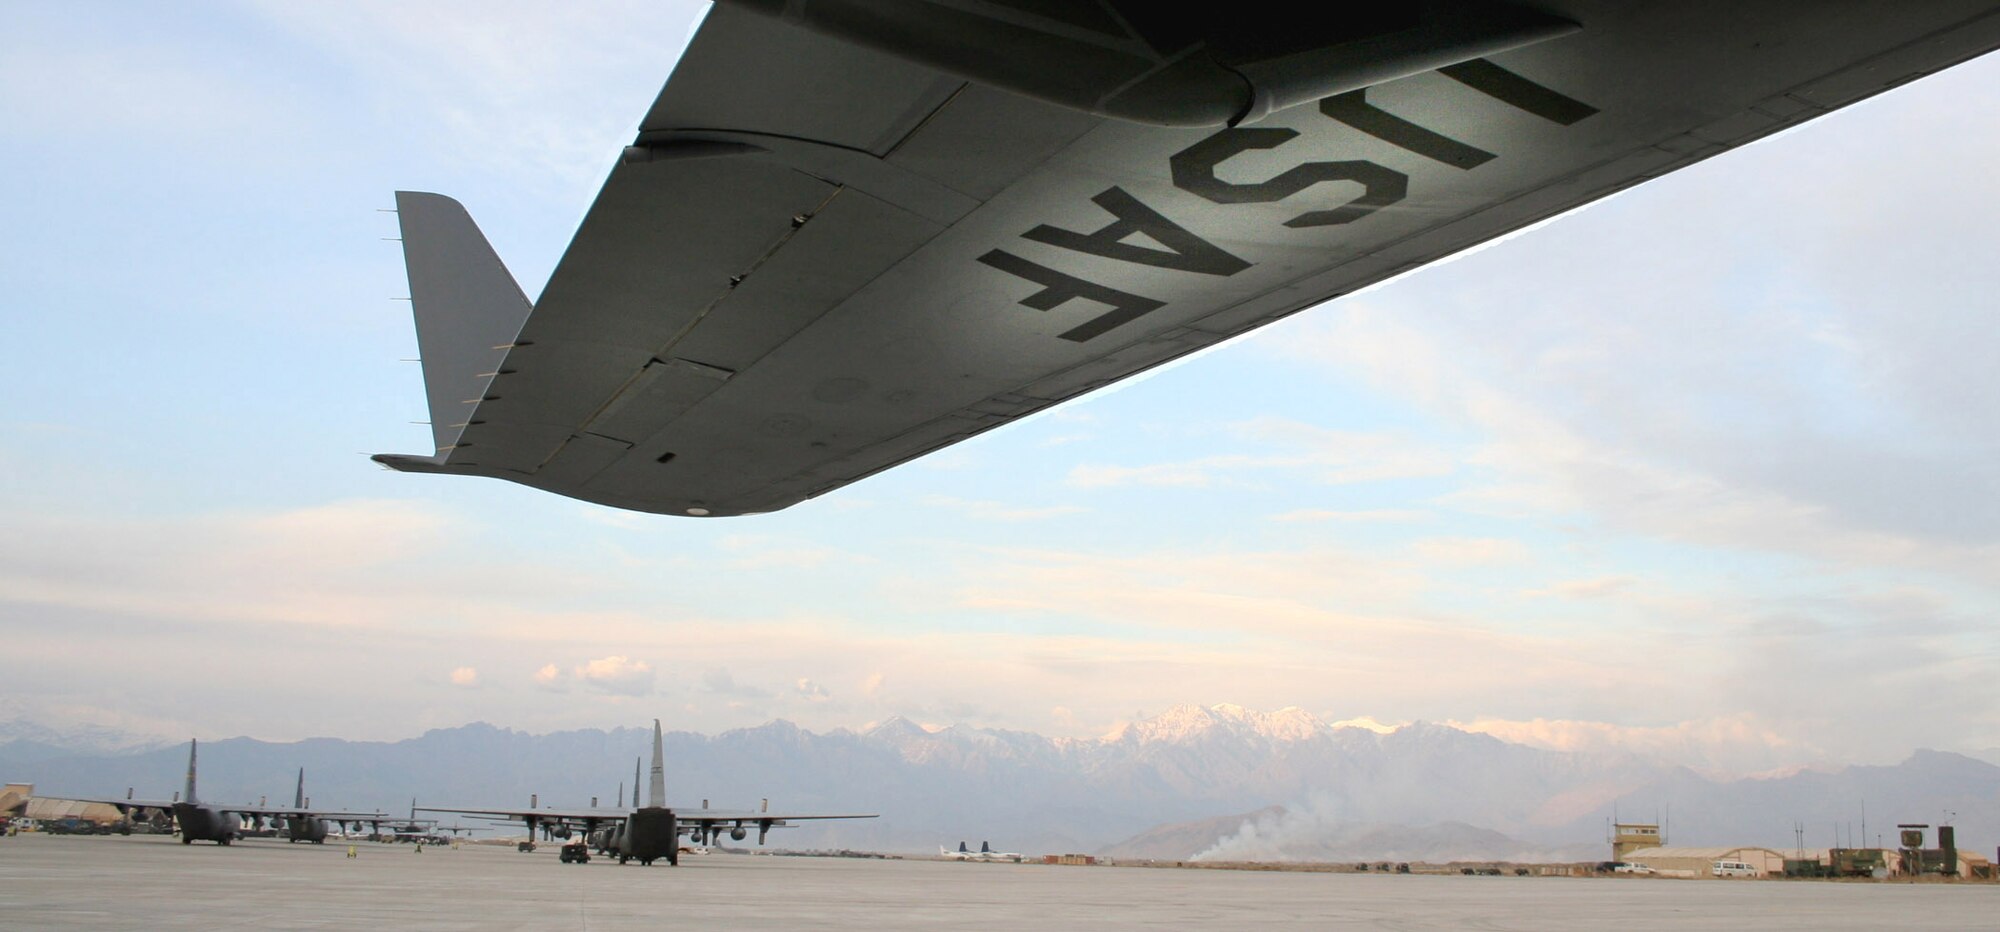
(1732, 869)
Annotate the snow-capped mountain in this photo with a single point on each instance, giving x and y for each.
(25, 738)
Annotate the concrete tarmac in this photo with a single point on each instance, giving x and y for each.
(154, 882)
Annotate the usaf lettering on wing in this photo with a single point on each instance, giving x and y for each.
(1194, 170)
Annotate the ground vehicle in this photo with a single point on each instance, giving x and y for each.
(576, 851)
(1630, 868)
(1732, 869)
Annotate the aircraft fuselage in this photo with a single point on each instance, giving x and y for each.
(201, 823)
(649, 833)
(306, 829)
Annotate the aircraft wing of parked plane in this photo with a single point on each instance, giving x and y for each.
(850, 233)
(219, 822)
(686, 815)
(653, 830)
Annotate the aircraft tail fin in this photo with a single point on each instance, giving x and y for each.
(193, 746)
(985, 848)
(656, 792)
(299, 799)
(468, 311)
(962, 849)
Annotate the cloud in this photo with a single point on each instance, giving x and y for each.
(549, 677)
(1593, 588)
(1726, 746)
(1313, 453)
(811, 691)
(465, 676)
(762, 552)
(1784, 404)
(1372, 515)
(1470, 550)
(718, 681)
(617, 675)
(1194, 475)
(873, 683)
(532, 89)
(999, 511)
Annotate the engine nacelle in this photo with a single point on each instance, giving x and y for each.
(738, 833)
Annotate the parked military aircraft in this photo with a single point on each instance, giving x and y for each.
(850, 233)
(222, 824)
(645, 833)
(985, 853)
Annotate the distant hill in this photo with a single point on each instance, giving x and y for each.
(1156, 785)
(1182, 840)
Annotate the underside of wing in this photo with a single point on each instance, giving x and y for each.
(747, 815)
(125, 804)
(838, 244)
(540, 815)
(299, 812)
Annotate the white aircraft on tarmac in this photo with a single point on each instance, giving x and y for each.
(985, 853)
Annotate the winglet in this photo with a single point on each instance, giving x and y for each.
(468, 311)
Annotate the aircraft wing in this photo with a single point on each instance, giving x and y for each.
(706, 824)
(124, 804)
(306, 812)
(291, 812)
(585, 814)
(852, 233)
(718, 816)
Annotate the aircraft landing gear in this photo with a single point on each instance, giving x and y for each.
(186, 840)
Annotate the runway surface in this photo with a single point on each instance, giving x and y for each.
(54, 882)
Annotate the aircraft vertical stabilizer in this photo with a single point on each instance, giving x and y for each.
(657, 791)
(193, 746)
(468, 310)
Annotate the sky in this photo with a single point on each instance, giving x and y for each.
(1705, 470)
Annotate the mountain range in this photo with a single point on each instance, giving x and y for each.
(1224, 782)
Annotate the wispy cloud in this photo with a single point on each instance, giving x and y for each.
(1000, 511)
(1315, 454)
(618, 675)
(520, 86)
(1732, 745)
(721, 683)
(1470, 550)
(1363, 516)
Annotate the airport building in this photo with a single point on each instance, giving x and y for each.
(1675, 861)
(1628, 837)
(18, 801)
(13, 797)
